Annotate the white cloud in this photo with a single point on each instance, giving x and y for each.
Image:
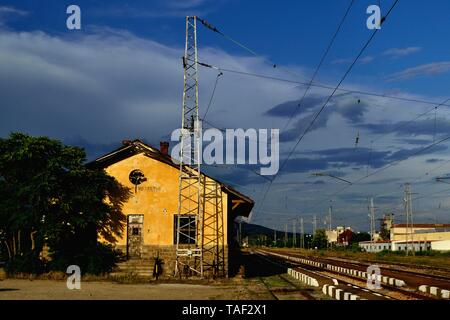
(161, 8)
(366, 59)
(7, 12)
(109, 85)
(429, 69)
(401, 52)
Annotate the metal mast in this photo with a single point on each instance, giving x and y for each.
(285, 235)
(314, 225)
(409, 220)
(213, 241)
(302, 234)
(190, 214)
(372, 223)
(200, 235)
(294, 234)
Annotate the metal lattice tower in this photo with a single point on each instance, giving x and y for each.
(302, 234)
(213, 241)
(314, 225)
(372, 222)
(409, 220)
(190, 215)
(294, 233)
(200, 204)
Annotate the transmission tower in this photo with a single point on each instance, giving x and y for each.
(200, 230)
(372, 222)
(294, 233)
(302, 234)
(285, 235)
(314, 225)
(409, 220)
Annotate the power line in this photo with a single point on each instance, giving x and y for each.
(328, 100)
(244, 47)
(325, 54)
(391, 164)
(212, 95)
(323, 86)
(403, 124)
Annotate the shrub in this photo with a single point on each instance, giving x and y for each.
(26, 263)
(96, 260)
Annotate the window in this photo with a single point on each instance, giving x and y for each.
(187, 229)
(135, 231)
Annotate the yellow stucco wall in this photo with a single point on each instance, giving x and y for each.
(400, 234)
(156, 198)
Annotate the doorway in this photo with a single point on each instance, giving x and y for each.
(135, 241)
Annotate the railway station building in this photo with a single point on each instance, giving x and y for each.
(152, 210)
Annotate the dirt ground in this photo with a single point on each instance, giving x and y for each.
(12, 289)
(258, 280)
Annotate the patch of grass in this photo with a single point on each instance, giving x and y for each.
(274, 281)
(433, 259)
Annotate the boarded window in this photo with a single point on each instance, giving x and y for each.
(187, 229)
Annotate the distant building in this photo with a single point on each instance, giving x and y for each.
(378, 246)
(333, 235)
(386, 223)
(421, 232)
(425, 236)
(345, 238)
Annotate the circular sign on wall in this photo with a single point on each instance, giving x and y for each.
(137, 177)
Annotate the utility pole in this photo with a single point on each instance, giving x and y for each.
(294, 234)
(314, 225)
(275, 237)
(302, 234)
(372, 223)
(409, 221)
(285, 235)
(330, 211)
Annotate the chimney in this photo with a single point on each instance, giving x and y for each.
(126, 142)
(164, 147)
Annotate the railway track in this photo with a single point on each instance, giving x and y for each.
(412, 279)
(287, 287)
(351, 282)
(324, 279)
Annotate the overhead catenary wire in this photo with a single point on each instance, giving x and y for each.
(246, 48)
(400, 98)
(212, 95)
(391, 164)
(307, 129)
(323, 86)
(322, 59)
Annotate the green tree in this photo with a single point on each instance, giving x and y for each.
(320, 239)
(48, 196)
(360, 236)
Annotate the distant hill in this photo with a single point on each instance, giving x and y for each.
(249, 229)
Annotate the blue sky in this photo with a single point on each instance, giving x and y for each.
(120, 77)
